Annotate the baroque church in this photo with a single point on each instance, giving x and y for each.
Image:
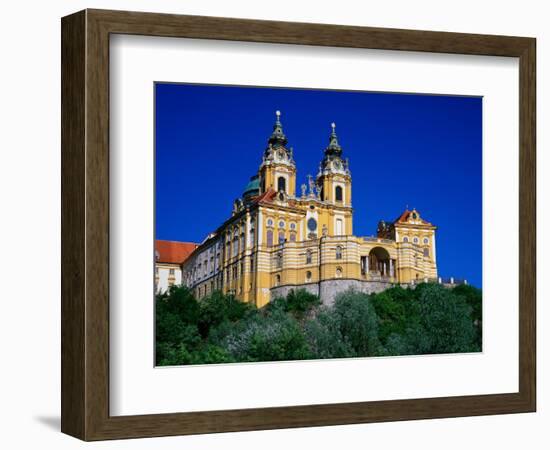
(278, 239)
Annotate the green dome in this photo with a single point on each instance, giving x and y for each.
(252, 188)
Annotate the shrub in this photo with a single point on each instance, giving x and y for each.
(218, 308)
(272, 337)
(472, 296)
(324, 337)
(391, 308)
(444, 323)
(358, 322)
(179, 301)
(297, 302)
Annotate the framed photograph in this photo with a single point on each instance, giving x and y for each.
(273, 225)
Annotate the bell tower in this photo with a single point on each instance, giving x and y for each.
(334, 177)
(278, 169)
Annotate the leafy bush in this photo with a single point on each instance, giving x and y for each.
(392, 309)
(358, 322)
(271, 337)
(298, 302)
(175, 325)
(325, 338)
(441, 323)
(218, 308)
(472, 296)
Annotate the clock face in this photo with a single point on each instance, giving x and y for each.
(312, 224)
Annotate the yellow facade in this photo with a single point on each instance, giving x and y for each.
(277, 238)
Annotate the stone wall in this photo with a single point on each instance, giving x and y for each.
(327, 290)
(282, 291)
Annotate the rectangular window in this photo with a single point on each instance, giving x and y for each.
(339, 227)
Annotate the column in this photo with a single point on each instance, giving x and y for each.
(391, 268)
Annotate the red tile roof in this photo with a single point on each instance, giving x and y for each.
(267, 196)
(173, 252)
(403, 218)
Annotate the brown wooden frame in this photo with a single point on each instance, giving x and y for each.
(85, 224)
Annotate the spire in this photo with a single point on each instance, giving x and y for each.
(333, 147)
(278, 138)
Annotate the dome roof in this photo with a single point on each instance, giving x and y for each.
(252, 188)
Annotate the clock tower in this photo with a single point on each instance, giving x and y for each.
(334, 177)
(278, 169)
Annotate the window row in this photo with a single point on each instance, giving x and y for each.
(270, 222)
(280, 237)
(415, 240)
(309, 276)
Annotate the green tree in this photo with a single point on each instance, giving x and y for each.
(473, 298)
(392, 308)
(324, 337)
(218, 308)
(298, 302)
(267, 337)
(440, 322)
(358, 322)
(176, 331)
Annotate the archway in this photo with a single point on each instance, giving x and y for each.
(380, 263)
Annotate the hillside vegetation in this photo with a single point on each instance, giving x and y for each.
(428, 319)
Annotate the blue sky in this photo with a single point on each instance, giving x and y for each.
(424, 151)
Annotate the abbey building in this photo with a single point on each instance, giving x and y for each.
(278, 238)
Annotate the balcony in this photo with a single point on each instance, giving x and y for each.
(375, 275)
(377, 239)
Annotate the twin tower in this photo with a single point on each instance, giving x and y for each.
(278, 171)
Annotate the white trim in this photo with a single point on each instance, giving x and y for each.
(260, 227)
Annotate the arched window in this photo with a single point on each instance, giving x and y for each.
(427, 252)
(292, 237)
(308, 256)
(281, 184)
(415, 240)
(281, 237)
(277, 280)
(338, 272)
(405, 239)
(338, 252)
(270, 238)
(425, 240)
(338, 193)
(308, 276)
